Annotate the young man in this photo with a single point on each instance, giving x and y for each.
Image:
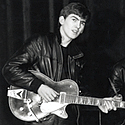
(56, 56)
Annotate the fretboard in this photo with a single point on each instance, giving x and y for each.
(71, 99)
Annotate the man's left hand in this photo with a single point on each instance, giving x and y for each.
(108, 105)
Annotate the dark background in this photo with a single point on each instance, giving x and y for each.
(102, 42)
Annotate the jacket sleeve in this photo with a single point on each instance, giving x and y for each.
(117, 78)
(16, 69)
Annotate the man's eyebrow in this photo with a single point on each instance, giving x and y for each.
(74, 17)
(84, 21)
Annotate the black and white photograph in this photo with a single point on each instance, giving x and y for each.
(62, 62)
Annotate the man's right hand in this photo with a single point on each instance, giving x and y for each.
(47, 93)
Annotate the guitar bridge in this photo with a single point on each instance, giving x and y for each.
(31, 111)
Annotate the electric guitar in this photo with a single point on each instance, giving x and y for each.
(29, 106)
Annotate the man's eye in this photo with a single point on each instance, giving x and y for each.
(83, 23)
(74, 20)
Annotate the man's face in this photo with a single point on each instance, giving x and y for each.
(72, 26)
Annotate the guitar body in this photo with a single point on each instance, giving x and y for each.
(28, 106)
(32, 107)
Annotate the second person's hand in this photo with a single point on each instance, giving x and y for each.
(108, 105)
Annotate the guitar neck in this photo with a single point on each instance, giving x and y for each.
(72, 99)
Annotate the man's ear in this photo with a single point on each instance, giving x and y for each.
(61, 20)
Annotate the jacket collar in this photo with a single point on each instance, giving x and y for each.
(74, 51)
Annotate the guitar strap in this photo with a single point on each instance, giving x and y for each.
(17, 93)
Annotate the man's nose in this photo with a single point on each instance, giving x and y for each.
(78, 24)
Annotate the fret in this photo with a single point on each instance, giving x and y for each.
(96, 101)
(124, 105)
(84, 100)
(70, 99)
(121, 104)
(101, 102)
(73, 99)
(92, 101)
(76, 100)
(87, 101)
(81, 100)
(117, 104)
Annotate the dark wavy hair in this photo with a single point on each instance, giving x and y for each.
(76, 8)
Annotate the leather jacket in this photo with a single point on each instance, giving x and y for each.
(118, 78)
(118, 81)
(41, 53)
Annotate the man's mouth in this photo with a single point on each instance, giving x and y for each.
(75, 31)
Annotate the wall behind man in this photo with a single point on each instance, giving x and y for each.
(11, 37)
(102, 42)
(19, 20)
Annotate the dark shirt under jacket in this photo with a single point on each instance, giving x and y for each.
(65, 73)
